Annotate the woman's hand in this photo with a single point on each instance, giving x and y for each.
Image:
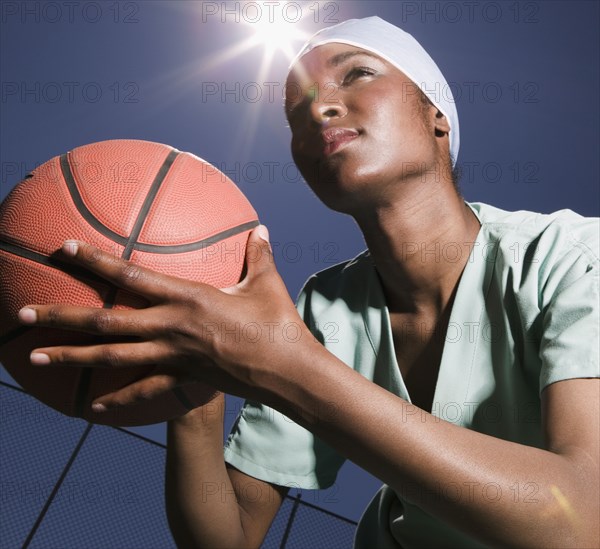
(191, 331)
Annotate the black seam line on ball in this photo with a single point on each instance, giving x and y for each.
(193, 246)
(71, 270)
(13, 334)
(141, 218)
(145, 209)
(85, 276)
(150, 248)
(85, 380)
(82, 208)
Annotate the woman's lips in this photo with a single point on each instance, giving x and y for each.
(336, 138)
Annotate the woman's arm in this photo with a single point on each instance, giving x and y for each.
(190, 323)
(208, 504)
(510, 494)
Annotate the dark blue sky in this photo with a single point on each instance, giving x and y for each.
(525, 76)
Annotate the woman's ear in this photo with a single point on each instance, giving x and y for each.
(442, 127)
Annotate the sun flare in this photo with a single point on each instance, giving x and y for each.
(277, 34)
(277, 31)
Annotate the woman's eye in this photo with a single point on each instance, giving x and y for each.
(357, 72)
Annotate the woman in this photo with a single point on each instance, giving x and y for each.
(471, 334)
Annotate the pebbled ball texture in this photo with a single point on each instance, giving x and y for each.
(147, 202)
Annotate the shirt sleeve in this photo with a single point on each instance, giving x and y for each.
(570, 303)
(269, 446)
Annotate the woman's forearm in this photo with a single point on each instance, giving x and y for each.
(196, 478)
(206, 501)
(497, 491)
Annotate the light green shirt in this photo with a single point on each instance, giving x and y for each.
(525, 315)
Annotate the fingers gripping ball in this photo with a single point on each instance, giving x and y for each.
(145, 202)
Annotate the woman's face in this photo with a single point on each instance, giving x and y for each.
(358, 126)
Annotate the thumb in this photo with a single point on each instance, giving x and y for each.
(259, 255)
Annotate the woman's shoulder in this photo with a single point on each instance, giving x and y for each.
(562, 225)
(344, 280)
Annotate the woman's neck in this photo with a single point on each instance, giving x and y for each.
(420, 245)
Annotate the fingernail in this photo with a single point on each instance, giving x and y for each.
(39, 359)
(70, 247)
(263, 232)
(27, 315)
(99, 407)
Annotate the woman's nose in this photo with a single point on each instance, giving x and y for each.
(330, 105)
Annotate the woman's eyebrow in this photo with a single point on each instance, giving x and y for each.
(341, 57)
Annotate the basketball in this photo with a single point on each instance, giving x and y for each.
(145, 202)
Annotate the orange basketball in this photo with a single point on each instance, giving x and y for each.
(146, 202)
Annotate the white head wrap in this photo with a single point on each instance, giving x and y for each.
(401, 50)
